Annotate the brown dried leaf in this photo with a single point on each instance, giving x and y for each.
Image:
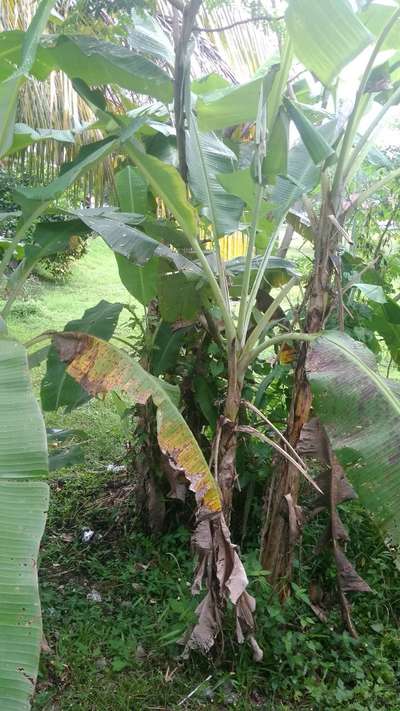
(206, 629)
(349, 578)
(314, 443)
(216, 552)
(176, 480)
(311, 442)
(296, 519)
(339, 532)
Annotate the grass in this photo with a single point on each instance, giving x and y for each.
(121, 652)
(49, 305)
(115, 608)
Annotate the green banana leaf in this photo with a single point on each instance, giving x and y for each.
(302, 173)
(375, 16)
(31, 198)
(386, 321)
(147, 37)
(94, 61)
(361, 414)
(24, 497)
(326, 35)
(166, 183)
(277, 273)
(13, 81)
(25, 135)
(313, 140)
(132, 190)
(235, 104)
(207, 158)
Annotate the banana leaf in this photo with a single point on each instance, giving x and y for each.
(24, 496)
(360, 411)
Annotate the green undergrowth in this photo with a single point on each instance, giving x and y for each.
(114, 609)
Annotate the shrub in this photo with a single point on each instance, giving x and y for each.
(58, 266)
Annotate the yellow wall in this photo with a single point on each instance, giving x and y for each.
(232, 246)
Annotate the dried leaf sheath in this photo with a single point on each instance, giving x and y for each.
(314, 442)
(100, 368)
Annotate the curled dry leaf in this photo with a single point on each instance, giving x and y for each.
(176, 480)
(314, 443)
(296, 519)
(101, 368)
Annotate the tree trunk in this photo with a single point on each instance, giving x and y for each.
(225, 444)
(278, 540)
(144, 467)
(277, 543)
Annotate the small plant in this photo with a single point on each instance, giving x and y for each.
(60, 264)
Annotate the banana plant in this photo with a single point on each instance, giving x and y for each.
(327, 220)
(141, 241)
(23, 450)
(224, 185)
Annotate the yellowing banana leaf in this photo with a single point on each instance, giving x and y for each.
(101, 368)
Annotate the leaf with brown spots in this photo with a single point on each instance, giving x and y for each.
(101, 368)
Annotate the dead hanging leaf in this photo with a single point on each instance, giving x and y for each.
(176, 479)
(222, 572)
(311, 442)
(203, 634)
(314, 442)
(101, 368)
(296, 519)
(350, 580)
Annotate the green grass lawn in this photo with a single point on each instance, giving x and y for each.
(115, 608)
(49, 305)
